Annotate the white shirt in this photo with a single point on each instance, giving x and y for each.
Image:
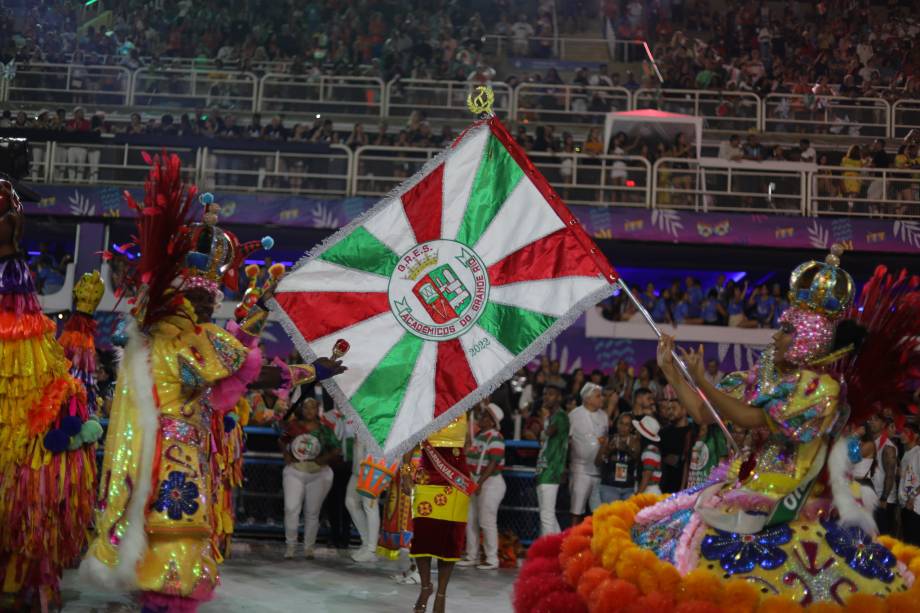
(521, 31)
(585, 428)
(809, 155)
(910, 479)
(728, 152)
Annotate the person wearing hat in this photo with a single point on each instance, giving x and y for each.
(486, 459)
(650, 459)
(588, 432)
(554, 449)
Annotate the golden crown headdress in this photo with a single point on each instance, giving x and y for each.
(822, 287)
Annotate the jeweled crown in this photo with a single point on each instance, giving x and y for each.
(822, 287)
(215, 254)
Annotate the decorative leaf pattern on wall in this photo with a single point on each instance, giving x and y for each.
(667, 221)
(818, 235)
(908, 232)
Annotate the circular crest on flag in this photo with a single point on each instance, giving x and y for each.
(305, 447)
(439, 289)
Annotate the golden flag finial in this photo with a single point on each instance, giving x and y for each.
(480, 100)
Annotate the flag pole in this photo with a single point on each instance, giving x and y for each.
(682, 367)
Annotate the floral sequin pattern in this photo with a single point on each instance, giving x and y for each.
(862, 554)
(177, 497)
(741, 553)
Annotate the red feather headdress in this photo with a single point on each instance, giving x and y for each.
(887, 366)
(162, 237)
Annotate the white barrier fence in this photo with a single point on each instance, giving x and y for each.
(704, 184)
(179, 89)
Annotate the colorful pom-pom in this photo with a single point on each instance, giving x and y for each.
(560, 602)
(71, 425)
(229, 423)
(546, 546)
(91, 431)
(206, 198)
(75, 443)
(267, 242)
(56, 441)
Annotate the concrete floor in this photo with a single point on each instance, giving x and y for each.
(258, 579)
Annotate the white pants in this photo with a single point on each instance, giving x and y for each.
(365, 513)
(546, 498)
(304, 491)
(584, 488)
(484, 514)
(76, 163)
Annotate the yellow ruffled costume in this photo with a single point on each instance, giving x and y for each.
(46, 497)
(157, 495)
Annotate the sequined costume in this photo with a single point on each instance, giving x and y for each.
(780, 528)
(159, 503)
(47, 467)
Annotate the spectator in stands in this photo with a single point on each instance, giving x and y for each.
(780, 304)
(255, 126)
(78, 123)
(807, 153)
(486, 458)
(357, 138)
(735, 308)
(650, 457)
(753, 150)
(307, 477)
(731, 149)
(618, 460)
(761, 304)
(711, 310)
(588, 431)
(851, 183)
(554, 444)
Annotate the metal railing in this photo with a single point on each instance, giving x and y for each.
(121, 165)
(905, 116)
(712, 184)
(278, 172)
(568, 105)
(440, 100)
(722, 111)
(179, 90)
(350, 96)
(704, 184)
(865, 192)
(171, 89)
(74, 84)
(837, 115)
(597, 180)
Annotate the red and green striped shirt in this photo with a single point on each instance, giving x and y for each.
(486, 447)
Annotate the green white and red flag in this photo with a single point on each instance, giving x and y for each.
(444, 289)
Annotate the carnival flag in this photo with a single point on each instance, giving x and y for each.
(444, 289)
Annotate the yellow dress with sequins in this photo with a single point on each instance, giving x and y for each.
(177, 558)
(801, 411)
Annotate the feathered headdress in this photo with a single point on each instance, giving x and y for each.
(882, 372)
(162, 238)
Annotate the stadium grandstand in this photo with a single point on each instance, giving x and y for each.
(707, 146)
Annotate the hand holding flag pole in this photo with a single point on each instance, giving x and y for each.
(683, 368)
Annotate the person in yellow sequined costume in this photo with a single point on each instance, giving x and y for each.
(781, 527)
(179, 377)
(47, 463)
